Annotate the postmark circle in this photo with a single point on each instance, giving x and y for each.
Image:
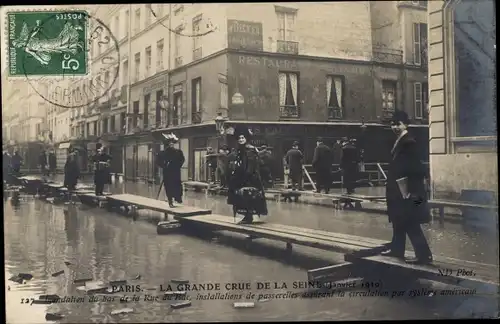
(58, 63)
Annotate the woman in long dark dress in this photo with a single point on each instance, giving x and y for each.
(71, 172)
(246, 192)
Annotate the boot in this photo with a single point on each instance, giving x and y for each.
(248, 219)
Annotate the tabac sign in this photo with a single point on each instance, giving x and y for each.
(244, 35)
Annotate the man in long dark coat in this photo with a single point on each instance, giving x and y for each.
(52, 163)
(71, 172)
(294, 160)
(42, 161)
(211, 160)
(223, 165)
(102, 172)
(16, 162)
(349, 166)
(265, 166)
(322, 165)
(406, 196)
(170, 160)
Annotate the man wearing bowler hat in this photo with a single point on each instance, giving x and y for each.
(406, 196)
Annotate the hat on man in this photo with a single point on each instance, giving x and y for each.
(295, 143)
(319, 139)
(400, 116)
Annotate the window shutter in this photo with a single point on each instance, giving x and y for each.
(417, 95)
(417, 60)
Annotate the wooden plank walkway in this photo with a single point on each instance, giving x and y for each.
(477, 272)
(265, 230)
(139, 202)
(360, 252)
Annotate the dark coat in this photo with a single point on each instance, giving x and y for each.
(102, 172)
(52, 161)
(211, 160)
(406, 163)
(16, 161)
(350, 158)
(337, 153)
(71, 173)
(265, 159)
(222, 162)
(171, 161)
(294, 160)
(42, 159)
(322, 160)
(246, 174)
(6, 164)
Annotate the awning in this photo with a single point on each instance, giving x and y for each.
(63, 146)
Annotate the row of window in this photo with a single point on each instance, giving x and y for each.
(289, 84)
(335, 96)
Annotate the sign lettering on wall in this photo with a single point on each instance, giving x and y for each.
(244, 35)
(159, 84)
(268, 62)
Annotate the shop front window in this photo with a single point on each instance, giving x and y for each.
(474, 39)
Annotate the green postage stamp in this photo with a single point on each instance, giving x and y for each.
(47, 43)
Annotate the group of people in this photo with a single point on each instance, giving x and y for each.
(222, 164)
(406, 196)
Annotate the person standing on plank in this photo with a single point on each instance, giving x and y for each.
(102, 173)
(322, 165)
(170, 160)
(349, 165)
(293, 162)
(71, 172)
(265, 166)
(246, 192)
(406, 196)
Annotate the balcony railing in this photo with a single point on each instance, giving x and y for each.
(288, 47)
(196, 117)
(197, 53)
(178, 61)
(387, 55)
(289, 112)
(335, 113)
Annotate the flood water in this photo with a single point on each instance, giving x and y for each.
(40, 237)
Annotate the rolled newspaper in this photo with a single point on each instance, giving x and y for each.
(403, 186)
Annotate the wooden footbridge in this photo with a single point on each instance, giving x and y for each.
(361, 254)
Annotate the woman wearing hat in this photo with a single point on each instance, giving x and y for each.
(246, 192)
(171, 160)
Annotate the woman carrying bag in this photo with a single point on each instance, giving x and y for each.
(246, 192)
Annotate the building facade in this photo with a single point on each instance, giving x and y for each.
(23, 118)
(462, 73)
(317, 68)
